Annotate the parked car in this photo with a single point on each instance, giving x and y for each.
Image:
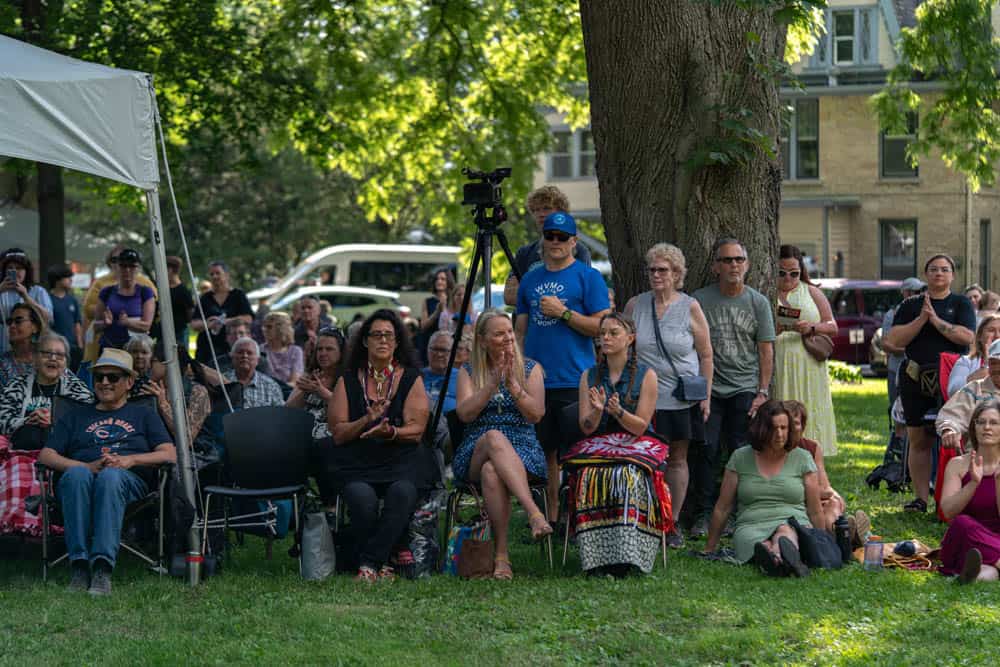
(347, 302)
(858, 308)
(496, 299)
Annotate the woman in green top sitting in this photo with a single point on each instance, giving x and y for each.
(772, 482)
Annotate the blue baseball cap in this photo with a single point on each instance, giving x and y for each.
(560, 222)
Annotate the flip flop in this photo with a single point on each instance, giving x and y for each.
(790, 554)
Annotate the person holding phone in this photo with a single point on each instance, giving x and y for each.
(19, 286)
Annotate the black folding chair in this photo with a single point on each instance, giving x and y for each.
(267, 453)
(49, 506)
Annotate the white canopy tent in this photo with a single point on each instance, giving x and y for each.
(101, 121)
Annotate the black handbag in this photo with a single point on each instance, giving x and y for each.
(689, 387)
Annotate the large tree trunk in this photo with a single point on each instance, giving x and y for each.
(663, 77)
(51, 219)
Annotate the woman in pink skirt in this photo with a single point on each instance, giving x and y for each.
(969, 500)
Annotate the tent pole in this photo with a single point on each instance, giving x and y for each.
(182, 439)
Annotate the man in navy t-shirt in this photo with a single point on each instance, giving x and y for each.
(559, 310)
(101, 451)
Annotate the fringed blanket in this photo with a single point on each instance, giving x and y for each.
(619, 501)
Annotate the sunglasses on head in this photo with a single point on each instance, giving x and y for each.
(794, 274)
(556, 236)
(112, 378)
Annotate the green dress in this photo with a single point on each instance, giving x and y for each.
(797, 376)
(765, 503)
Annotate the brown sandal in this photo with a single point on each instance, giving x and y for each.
(502, 570)
(540, 526)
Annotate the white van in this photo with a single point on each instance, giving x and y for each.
(405, 269)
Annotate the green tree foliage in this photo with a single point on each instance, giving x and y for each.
(952, 44)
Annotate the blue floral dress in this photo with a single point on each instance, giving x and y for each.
(501, 414)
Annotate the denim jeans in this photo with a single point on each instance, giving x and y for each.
(725, 432)
(93, 507)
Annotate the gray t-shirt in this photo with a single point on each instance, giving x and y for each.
(736, 324)
(678, 338)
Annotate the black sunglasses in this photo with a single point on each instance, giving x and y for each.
(739, 259)
(112, 378)
(556, 236)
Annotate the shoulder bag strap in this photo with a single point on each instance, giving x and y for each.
(659, 338)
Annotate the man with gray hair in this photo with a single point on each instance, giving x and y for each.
(742, 331)
(258, 389)
(438, 350)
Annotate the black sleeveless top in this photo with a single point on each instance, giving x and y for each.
(379, 461)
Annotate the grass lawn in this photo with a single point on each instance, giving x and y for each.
(690, 613)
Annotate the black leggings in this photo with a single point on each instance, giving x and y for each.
(375, 535)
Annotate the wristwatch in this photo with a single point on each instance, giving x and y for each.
(763, 392)
(567, 315)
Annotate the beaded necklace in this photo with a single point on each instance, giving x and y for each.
(384, 378)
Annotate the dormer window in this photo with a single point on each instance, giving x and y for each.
(843, 38)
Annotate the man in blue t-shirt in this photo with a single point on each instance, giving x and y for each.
(559, 310)
(101, 451)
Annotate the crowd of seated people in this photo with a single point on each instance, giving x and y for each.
(567, 394)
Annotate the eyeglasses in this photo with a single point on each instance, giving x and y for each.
(440, 350)
(14, 321)
(794, 274)
(938, 269)
(112, 378)
(657, 270)
(556, 236)
(51, 354)
(383, 335)
(738, 259)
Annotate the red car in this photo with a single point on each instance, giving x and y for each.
(858, 307)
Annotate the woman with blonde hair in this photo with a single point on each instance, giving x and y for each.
(500, 396)
(287, 359)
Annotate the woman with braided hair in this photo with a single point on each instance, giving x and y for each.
(619, 501)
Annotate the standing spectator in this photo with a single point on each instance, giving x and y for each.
(17, 285)
(259, 390)
(910, 287)
(377, 415)
(452, 314)
(939, 321)
(541, 203)
(126, 307)
(181, 303)
(101, 451)
(974, 293)
(685, 336)
(433, 307)
(66, 318)
(803, 310)
(92, 298)
(24, 326)
(219, 305)
(285, 357)
(559, 310)
(311, 320)
(742, 332)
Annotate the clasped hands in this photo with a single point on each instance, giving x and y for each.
(503, 373)
(110, 460)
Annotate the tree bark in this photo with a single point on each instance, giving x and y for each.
(51, 218)
(663, 76)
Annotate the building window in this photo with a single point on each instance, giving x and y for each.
(573, 155)
(985, 244)
(800, 141)
(843, 38)
(897, 249)
(895, 164)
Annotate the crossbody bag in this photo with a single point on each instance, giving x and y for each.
(689, 387)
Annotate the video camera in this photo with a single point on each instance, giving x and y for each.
(486, 192)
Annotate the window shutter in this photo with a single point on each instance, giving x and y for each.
(867, 36)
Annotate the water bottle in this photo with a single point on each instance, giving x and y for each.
(842, 531)
(873, 555)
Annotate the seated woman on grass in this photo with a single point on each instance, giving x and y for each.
(970, 500)
(618, 496)
(500, 396)
(774, 482)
